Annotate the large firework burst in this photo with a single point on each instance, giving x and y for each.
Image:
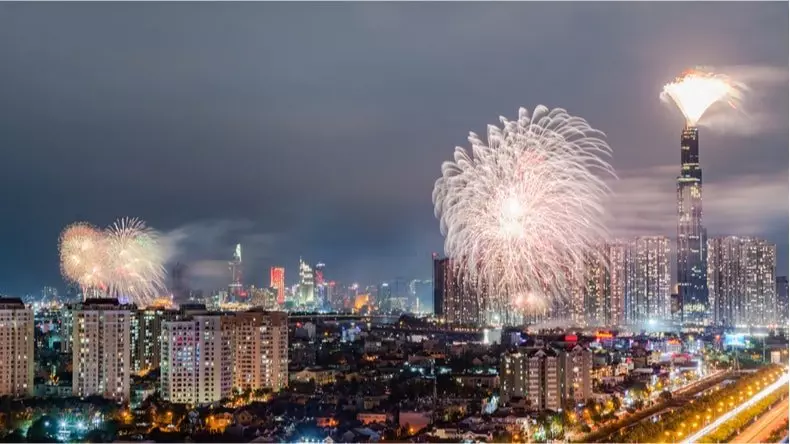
(123, 261)
(523, 211)
(696, 90)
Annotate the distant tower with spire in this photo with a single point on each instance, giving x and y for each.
(236, 289)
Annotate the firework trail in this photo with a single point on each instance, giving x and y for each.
(123, 261)
(696, 90)
(523, 211)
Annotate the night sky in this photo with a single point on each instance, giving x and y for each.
(319, 129)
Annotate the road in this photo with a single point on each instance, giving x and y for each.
(607, 433)
(765, 425)
(734, 412)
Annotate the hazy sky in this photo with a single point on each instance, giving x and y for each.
(319, 129)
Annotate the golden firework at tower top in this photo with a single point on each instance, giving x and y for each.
(694, 93)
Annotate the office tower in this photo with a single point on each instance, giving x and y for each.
(647, 280)
(455, 299)
(691, 240)
(399, 295)
(236, 288)
(197, 359)
(533, 374)
(16, 348)
(178, 284)
(147, 337)
(277, 278)
(741, 281)
(575, 374)
(101, 351)
(306, 284)
(782, 303)
(422, 291)
(261, 350)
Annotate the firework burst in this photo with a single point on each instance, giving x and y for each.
(523, 211)
(123, 261)
(696, 90)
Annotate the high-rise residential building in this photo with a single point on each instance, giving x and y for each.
(277, 278)
(16, 348)
(575, 374)
(146, 332)
(101, 350)
(261, 350)
(455, 299)
(306, 284)
(197, 359)
(691, 239)
(533, 374)
(741, 281)
(590, 305)
(616, 254)
(782, 302)
(647, 280)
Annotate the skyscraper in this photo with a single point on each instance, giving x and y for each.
(782, 303)
(691, 239)
(236, 288)
(647, 280)
(455, 300)
(741, 279)
(320, 285)
(277, 277)
(16, 348)
(306, 284)
(616, 254)
(101, 352)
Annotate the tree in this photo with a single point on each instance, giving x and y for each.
(44, 429)
(666, 395)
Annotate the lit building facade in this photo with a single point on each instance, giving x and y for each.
(454, 299)
(647, 283)
(277, 281)
(146, 332)
(575, 374)
(691, 234)
(101, 349)
(197, 359)
(306, 284)
(533, 374)
(261, 350)
(16, 348)
(742, 281)
(782, 302)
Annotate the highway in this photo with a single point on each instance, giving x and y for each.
(765, 425)
(734, 412)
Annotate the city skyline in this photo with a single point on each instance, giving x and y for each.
(364, 206)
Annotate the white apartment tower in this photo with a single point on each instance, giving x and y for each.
(197, 359)
(16, 348)
(101, 351)
(261, 350)
(647, 279)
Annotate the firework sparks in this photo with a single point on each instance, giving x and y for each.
(124, 261)
(697, 90)
(82, 255)
(525, 209)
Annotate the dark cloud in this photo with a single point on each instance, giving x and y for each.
(317, 129)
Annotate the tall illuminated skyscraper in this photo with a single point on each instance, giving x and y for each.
(742, 281)
(277, 277)
(782, 302)
(691, 240)
(236, 288)
(306, 284)
(647, 282)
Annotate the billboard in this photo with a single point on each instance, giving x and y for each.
(735, 340)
